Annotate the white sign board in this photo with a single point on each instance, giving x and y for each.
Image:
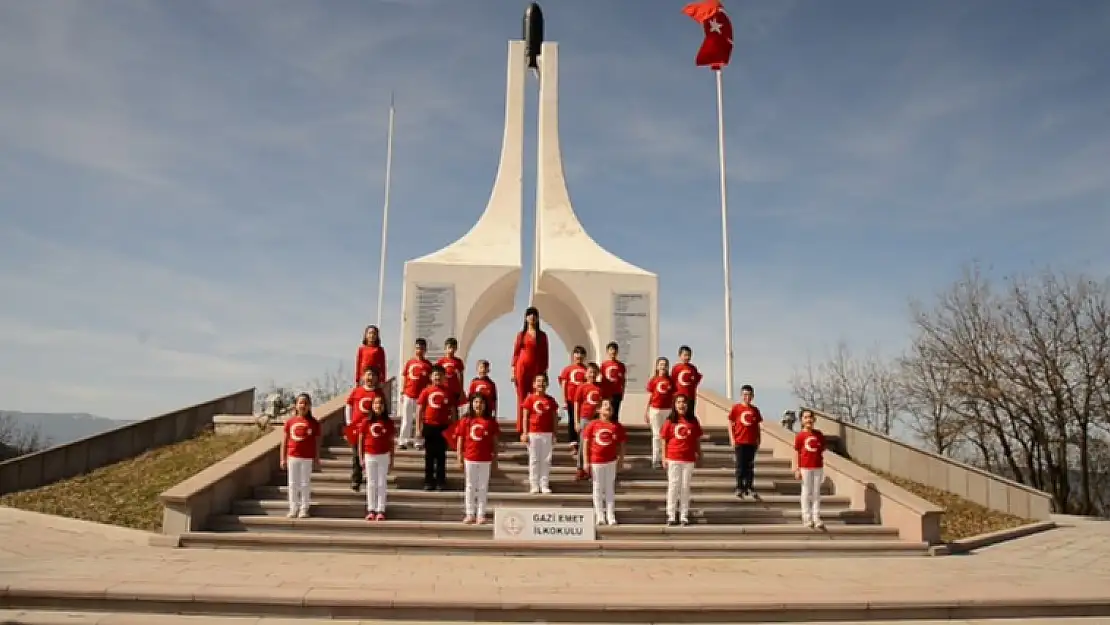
(632, 332)
(544, 524)
(435, 316)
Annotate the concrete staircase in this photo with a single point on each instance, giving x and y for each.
(721, 524)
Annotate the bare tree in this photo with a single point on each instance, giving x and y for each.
(932, 411)
(858, 390)
(322, 389)
(18, 439)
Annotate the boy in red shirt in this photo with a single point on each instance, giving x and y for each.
(745, 434)
(587, 400)
(453, 370)
(415, 377)
(476, 451)
(603, 446)
(612, 379)
(686, 377)
(541, 413)
(300, 455)
(356, 410)
(809, 463)
(483, 385)
(573, 376)
(437, 411)
(682, 436)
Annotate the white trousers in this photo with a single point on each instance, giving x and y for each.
(678, 488)
(299, 471)
(540, 447)
(605, 490)
(811, 494)
(377, 474)
(657, 416)
(408, 419)
(477, 487)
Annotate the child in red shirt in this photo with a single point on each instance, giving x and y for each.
(612, 382)
(682, 436)
(603, 447)
(660, 390)
(745, 435)
(376, 441)
(587, 400)
(300, 455)
(476, 450)
(541, 413)
(809, 463)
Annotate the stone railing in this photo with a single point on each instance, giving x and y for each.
(901, 460)
(917, 520)
(188, 505)
(81, 456)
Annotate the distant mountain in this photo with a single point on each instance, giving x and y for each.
(56, 428)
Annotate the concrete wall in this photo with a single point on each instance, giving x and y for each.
(188, 505)
(899, 459)
(81, 456)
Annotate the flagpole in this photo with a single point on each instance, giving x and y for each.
(726, 256)
(385, 210)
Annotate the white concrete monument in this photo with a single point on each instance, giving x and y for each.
(586, 295)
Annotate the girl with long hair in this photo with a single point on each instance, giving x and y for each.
(476, 449)
(660, 404)
(682, 436)
(530, 358)
(377, 443)
(603, 448)
(300, 454)
(371, 354)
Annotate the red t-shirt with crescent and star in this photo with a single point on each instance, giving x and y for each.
(612, 378)
(377, 436)
(418, 374)
(681, 439)
(605, 440)
(744, 420)
(686, 379)
(543, 412)
(479, 436)
(436, 405)
(453, 368)
(369, 357)
(570, 379)
(301, 437)
(660, 393)
(811, 449)
(587, 398)
(486, 388)
(360, 400)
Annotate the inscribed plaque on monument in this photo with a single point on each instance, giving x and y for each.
(435, 316)
(632, 332)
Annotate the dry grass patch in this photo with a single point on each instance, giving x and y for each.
(961, 518)
(126, 493)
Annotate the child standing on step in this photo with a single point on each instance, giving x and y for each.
(587, 400)
(686, 377)
(809, 463)
(416, 376)
(682, 436)
(660, 390)
(453, 371)
(377, 438)
(745, 435)
(541, 412)
(476, 449)
(603, 447)
(483, 385)
(613, 374)
(571, 377)
(437, 411)
(300, 454)
(356, 411)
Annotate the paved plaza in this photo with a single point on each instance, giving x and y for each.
(45, 552)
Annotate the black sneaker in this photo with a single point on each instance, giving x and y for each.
(739, 493)
(671, 522)
(685, 522)
(429, 487)
(355, 486)
(441, 487)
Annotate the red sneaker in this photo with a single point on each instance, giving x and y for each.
(380, 517)
(371, 516)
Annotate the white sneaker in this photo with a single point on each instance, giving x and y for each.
(612, 521)
(534, 491)
(292, 513)
(303, 514)
(818, 524)
(807, 523)
(545, 489)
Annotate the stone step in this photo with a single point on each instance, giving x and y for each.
(559, 459)
(456, 529)
(563, 448)
(449, 507)
(414, 479)
(367, 542)
(522, 498)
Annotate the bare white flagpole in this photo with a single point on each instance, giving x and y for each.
(385, 211)
(724, 236)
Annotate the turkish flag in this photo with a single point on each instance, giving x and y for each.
(716, 48)
(350, 432)
(451, 436)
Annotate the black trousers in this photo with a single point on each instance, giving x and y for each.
(435, 455)
(745, 467)
(356, 466)
(572, 424)
(616, 401)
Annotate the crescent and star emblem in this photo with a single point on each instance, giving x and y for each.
(413, 372)
(593, 398)
(435, 400)
(481, 389)
(299, 432)
(477, 432)
(541, 405)
(663, 387)
(811, 445)
(577, 376)
(746, 418)
(364, 404)
(377, 430)
(612, 374)
(684, 377)
(603, 438)
(682, 431)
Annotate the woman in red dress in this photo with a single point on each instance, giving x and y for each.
(371, 355)
(529, 360)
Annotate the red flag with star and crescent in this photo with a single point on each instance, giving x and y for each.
(716, 48)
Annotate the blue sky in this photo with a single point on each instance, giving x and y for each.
(190, 192)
